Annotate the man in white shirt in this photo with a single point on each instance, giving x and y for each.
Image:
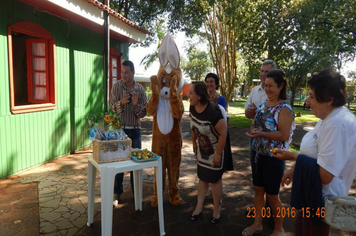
(258, 93)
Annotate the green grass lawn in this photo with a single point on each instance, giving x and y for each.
(238, 119)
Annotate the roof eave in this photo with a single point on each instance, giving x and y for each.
(88, 14)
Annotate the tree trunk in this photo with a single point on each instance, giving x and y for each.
(222, 49)
(292, 97)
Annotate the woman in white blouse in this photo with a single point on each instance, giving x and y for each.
(332, 143)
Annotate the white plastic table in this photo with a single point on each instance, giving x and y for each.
(107, 175)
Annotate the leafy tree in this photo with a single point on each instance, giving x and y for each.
(198, 63)
(212, 20)
(153, 56)
(219, 30)
(237, 37)
(320, 39)
(352, 75)
(301, 36)
(241, 75)
(143, 13)
(262, 28)
(351, 88)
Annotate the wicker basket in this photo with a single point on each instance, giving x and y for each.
(111, 150)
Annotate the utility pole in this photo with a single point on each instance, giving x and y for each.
(107, 55)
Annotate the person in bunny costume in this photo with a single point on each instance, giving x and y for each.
(166, 107)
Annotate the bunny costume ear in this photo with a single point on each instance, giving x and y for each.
(169, 54)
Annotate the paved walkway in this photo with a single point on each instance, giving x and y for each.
(63, 183)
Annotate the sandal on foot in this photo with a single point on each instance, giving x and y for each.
(194, 217)
(214, 220)
(247, 232)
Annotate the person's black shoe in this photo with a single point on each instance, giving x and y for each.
(215, 220)
(194, 217)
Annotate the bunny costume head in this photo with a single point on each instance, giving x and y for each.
(169, 59)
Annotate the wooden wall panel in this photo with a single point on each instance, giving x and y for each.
(30, 139)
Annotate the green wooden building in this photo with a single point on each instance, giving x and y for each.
(52, 75)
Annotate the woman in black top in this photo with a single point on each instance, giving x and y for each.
(208, 129)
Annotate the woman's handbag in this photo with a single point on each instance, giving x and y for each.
(340, 212)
